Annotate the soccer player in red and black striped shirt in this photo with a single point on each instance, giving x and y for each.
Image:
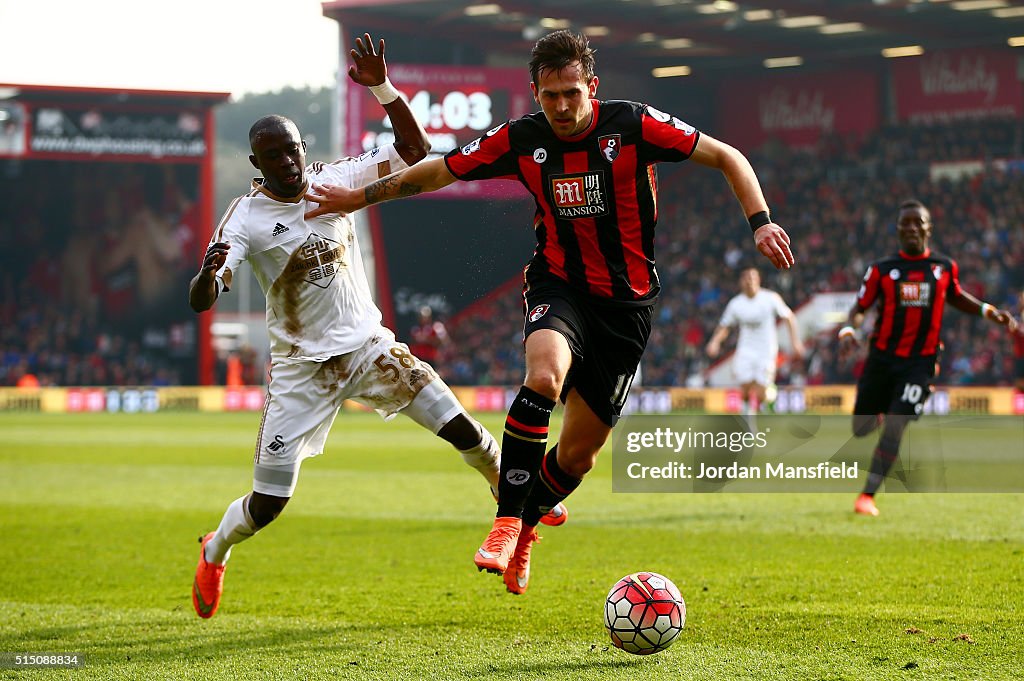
(910, 289)
(591, 285)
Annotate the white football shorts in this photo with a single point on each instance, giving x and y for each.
(754, 368)
(304, 399)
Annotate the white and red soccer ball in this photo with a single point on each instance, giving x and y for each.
(644, 613)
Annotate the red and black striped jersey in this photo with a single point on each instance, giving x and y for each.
(911, 292)
(596, 192)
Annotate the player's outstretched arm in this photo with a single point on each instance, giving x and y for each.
(202, 291)
(421, 178)
(771, 240)
(794, 335)
(370, 70)
(965, 302)
(714, 345)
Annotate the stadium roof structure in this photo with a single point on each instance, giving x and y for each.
(706, 35)
(111, 95)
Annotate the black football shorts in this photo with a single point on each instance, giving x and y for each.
(894, 385)
(606, 341)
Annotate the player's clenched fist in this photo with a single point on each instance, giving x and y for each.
(215, 257)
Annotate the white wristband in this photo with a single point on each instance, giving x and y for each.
(985, 310)
(385, 92)
(847, 332)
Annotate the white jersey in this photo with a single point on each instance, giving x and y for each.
(318, 299)
(755, 317)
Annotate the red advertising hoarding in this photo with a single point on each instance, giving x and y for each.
(956, 85)
(797, 108)
(455, 105)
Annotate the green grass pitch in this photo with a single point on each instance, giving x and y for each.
(368, 573)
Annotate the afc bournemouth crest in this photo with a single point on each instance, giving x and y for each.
(538, 312)
(609, 146)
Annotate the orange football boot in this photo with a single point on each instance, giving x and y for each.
(496, 551)
(556, 516)
(208, 585)
(517, 576)
(865, 505)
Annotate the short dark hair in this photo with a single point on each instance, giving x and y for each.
(914, 203)
(560, 49)
(272, 122)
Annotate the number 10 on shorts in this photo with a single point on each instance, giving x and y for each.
(911, 393)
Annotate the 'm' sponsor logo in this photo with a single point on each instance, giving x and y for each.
(579, 195)
(915, 293)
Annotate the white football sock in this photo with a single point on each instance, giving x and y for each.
(485, 457)
(749, 413)
(235, 527)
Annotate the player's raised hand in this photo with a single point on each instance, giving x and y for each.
(332, 198)
(1004, 317)
(216, 256)
(773, 243)
(369, 67)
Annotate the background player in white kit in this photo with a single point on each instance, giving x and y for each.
(326, 339)
(755, 311)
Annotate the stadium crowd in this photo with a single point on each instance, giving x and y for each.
(88, 285)
(91, 285)
(838, 202)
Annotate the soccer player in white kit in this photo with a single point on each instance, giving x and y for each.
(755, 311)
(327, 343)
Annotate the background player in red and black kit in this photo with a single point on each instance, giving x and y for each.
(591, 285)
(911, 289)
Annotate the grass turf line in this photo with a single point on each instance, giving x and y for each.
(367, 574)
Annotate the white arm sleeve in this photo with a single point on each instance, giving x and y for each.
(359, 171)
(729, 316)
(782, 310)
(232, 230)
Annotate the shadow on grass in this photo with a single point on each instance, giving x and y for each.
(178, 638)
(557, 670)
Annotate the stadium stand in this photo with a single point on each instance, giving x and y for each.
(88, 280)
(838, 202)
(71, 292)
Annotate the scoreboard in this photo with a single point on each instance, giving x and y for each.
(454, 104)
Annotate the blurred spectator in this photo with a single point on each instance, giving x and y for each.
(429, 336)
(1018, 346)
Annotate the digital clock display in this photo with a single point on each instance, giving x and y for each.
(454, 104)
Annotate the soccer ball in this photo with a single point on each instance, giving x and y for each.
(644, 613)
